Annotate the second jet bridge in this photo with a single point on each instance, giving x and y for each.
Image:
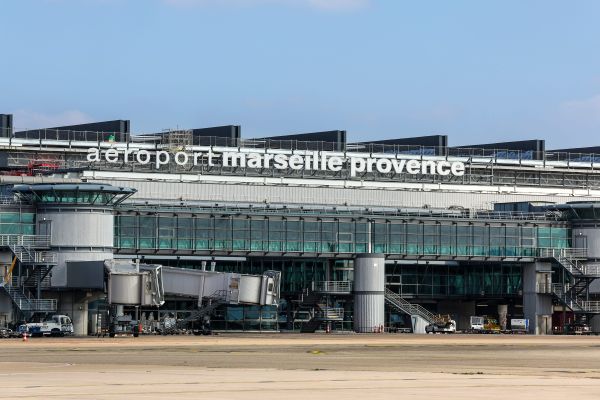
(145, 281)
(228, 287)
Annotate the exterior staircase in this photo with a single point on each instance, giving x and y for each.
(574, 294)
(36, 261)
(212, 303)
(398, 303)
(311, 298)
(564, 294)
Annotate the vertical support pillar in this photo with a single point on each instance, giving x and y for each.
(537, 301)
(75, 306)
(369, 292)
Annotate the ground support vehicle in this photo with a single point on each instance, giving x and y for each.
(6, 333)
(57, 325)
(476, 325)
(519, 325)
(442, 324)
(490, 325)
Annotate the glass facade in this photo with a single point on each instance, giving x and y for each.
(272, 233)
(296, 274)
(17, 223)
(465, 280)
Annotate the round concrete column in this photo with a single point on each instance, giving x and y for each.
(369, 292)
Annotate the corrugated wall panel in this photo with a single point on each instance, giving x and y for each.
(335, 196)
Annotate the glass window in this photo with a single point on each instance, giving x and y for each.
(294, 235)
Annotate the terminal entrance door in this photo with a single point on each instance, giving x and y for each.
(580, 242)
(44, 228)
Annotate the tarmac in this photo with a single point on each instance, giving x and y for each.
(302, 366)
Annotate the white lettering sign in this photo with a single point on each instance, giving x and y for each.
(316, 161)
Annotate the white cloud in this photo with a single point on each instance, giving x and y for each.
(28, 119)
(326, 5)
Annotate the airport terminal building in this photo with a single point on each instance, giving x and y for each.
(383, 233)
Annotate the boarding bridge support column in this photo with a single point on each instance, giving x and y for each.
(369, 292)
(537, 302)
(75, 306)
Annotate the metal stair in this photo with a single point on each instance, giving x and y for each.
(39, 274)
(310, 299)
(563, 294)
(212, 304)
(28, 304)
(397, 302)
(311, 325)
(36, 261)
(581, 272)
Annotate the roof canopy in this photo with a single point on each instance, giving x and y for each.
(83, 193)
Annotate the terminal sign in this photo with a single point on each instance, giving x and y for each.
(310, 161)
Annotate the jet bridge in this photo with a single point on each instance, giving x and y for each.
(131, 283)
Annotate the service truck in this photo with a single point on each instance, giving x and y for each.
(57, 325)
(476, 324)
(519, 325)
(442, 324)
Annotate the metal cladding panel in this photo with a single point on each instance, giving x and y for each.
(124, 288)
(595, 324)
(250, 289)
(368, 312)
(369, 286)
(181, 282)
(59, 272)
(217, 284)
(373, 197)
(369, 273)
(80, 228)
(592, 238)
(85, 274)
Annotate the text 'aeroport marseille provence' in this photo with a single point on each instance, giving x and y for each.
(311, 161)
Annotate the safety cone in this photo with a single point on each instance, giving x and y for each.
(25, 336)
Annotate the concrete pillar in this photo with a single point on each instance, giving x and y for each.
(537, 305)
(502, 316)
(369, 292)
(75, 306)
(595, 324)
(6, 310)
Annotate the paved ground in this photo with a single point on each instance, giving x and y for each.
(286, 366)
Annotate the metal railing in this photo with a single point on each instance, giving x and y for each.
(571, 252)
(591, 306)
(40, 305)
(26, 303)
(332, 286)
(591, 269)
(517, 155)
(36, 257)
(409, 308)
(156, 203)
(6, 199)
(330, 313)
(569, 258)
(31, 281)
(544, 288)
(31, 241)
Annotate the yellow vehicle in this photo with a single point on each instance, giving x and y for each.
(491, 325)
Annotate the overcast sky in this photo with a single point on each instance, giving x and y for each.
(478, 71)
